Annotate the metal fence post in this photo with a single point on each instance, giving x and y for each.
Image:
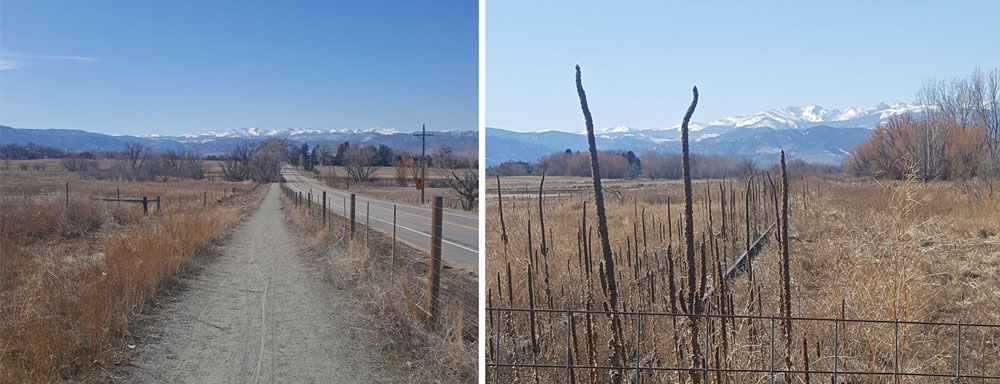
(434, 270)
(324, 208)
(705, 362)
(569, 353)
(958, 355)
(119, 193)
(352, 216)
(496, 356)
(368, 217)
(895, 351)
(771, 369)
(638, 329)
(344, 205)
(392, 267)
(204, 199)
(157, 204)
(836, 345)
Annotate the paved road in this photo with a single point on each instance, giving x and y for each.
(258, 312)
(460, 235)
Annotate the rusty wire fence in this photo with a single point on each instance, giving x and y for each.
(942, 352)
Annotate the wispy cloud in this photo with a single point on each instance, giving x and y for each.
(71, 58)
(6, 64)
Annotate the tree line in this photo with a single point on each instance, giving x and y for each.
(957, 138)
(651, 164)
(135, 162)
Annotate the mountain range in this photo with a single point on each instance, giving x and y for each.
(810, 133)
(465, 143)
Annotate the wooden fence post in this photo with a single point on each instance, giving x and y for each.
(324, 208)
(67, 193)
(434, 270)
(145, 205)
(119, 192)
(157, 203)
(204, 199)
(344, 205)
(352, 216)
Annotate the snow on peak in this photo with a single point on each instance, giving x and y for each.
(813, 115)
(618, 129)
(382, 130)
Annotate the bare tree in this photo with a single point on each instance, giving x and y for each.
(236, 162)
(265, 161)
(135, 153)
(360, 163)
(464, 182)
(401, 165)
(986, 91)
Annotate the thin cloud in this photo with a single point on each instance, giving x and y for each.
(72, 58)
(8, 65)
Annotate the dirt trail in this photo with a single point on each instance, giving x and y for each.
(256, 312)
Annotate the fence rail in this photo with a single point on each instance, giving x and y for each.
(636, 368)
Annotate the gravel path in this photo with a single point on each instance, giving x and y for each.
(255, 313)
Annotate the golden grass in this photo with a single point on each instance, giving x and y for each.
(882, 250)
(75, 276)
(445, 353)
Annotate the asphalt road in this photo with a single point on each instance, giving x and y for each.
(460, 233)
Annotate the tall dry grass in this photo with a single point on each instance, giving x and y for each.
(858, 250)
(391, 300)
(75, 276)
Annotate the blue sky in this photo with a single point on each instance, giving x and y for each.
(141, 67)
(640, 60)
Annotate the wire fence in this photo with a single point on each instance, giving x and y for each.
(338, 220)
(968, 364)
(149, 201)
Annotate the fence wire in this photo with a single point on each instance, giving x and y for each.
(635, 368)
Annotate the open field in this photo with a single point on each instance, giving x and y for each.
(858, 250)
(75, 272)
(385, 186)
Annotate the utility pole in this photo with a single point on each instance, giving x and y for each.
(423, 154)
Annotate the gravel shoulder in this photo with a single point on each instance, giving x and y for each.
(255, 311)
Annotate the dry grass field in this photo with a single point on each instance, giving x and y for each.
(386, 188)
(873, 250)
(393, 299)
(75, 275)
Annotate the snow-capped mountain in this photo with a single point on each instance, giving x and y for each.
(216, 142)
(811, 116)
(252, 132)
(811, 132)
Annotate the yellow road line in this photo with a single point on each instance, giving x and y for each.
(445, 222)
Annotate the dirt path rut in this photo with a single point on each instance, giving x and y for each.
(255, 313)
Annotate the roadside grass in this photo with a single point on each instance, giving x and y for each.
(74, 278)
(393, 302)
